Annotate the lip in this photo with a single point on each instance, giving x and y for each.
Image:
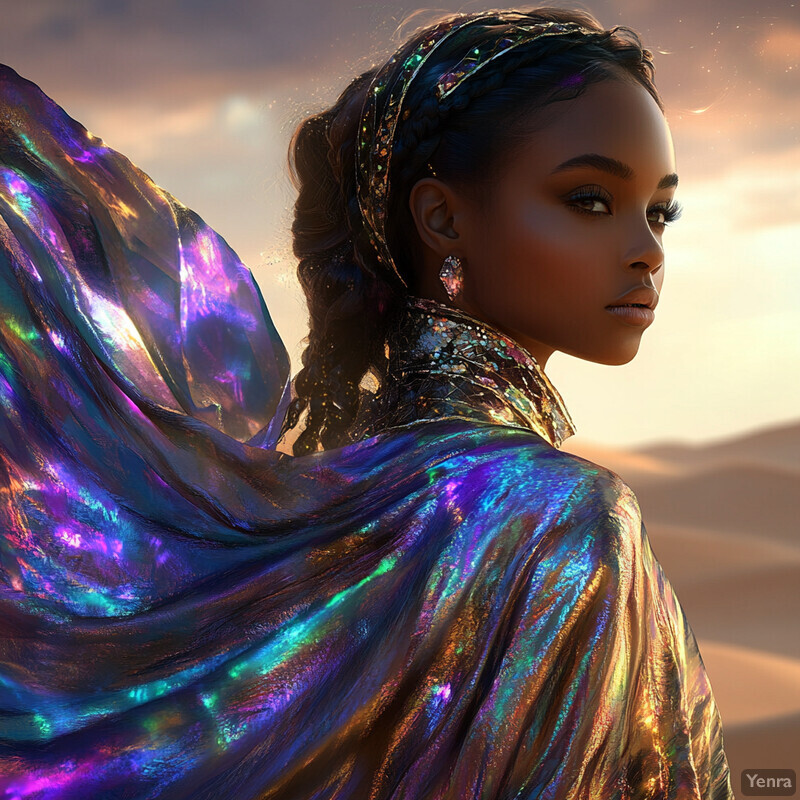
(640, 294)
(631, 315)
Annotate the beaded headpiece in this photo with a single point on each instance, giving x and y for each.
(383, 104)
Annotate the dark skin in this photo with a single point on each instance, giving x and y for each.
(536, 264)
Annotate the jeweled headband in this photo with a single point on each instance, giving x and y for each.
(384, 101)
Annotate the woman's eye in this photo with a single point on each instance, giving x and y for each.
(588, 202)
(584, 200)
(670, 212)
(591, 202)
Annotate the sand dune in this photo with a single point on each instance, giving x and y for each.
(762, 500)
(778, 445)
(759, 500)
(758, 696)
(750, 686)
(757, 608)
(691, 554)
(771, 744)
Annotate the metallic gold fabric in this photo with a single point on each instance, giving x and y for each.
(446, 363)
(450, 608)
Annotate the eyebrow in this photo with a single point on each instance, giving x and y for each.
(607, 164)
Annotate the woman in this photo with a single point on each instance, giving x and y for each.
(428, 599)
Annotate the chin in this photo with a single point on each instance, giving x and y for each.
(612, 356)
(623, 355)
(622, 359)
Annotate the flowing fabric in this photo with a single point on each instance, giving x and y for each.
(450, 607)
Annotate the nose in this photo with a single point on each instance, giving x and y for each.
(647, 252)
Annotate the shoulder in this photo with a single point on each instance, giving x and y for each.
(584, 520)
(536, 466)
(561, 498)
(504, 473)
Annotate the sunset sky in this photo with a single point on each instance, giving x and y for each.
(204, 95)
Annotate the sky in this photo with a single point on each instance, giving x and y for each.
(204, 96)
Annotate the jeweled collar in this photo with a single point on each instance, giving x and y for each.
(443, 362)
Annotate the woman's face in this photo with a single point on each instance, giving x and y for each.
(543, 258)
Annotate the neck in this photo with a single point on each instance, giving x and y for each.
(445, 363)
(539, 351)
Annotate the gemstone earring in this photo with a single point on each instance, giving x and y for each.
(452, 276)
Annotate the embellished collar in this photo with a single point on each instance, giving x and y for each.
(445, 363)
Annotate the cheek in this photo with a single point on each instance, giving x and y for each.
(548, 251)
(567, 278)
(551, 231)
(537, 254)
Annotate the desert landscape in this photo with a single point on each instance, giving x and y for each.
(724, 521)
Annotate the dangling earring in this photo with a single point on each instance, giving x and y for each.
(452, 276)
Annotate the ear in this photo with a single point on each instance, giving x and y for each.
(438, 214)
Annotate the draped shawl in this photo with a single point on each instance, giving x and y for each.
(448, 607)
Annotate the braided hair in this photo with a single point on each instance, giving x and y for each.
(465, 139)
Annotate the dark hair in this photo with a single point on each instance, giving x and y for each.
(352, 300)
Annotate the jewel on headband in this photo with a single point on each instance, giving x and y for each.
(477, 58)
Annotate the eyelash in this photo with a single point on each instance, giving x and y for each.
(672, 210)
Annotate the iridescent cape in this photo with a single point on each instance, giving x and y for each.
(449, 607)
